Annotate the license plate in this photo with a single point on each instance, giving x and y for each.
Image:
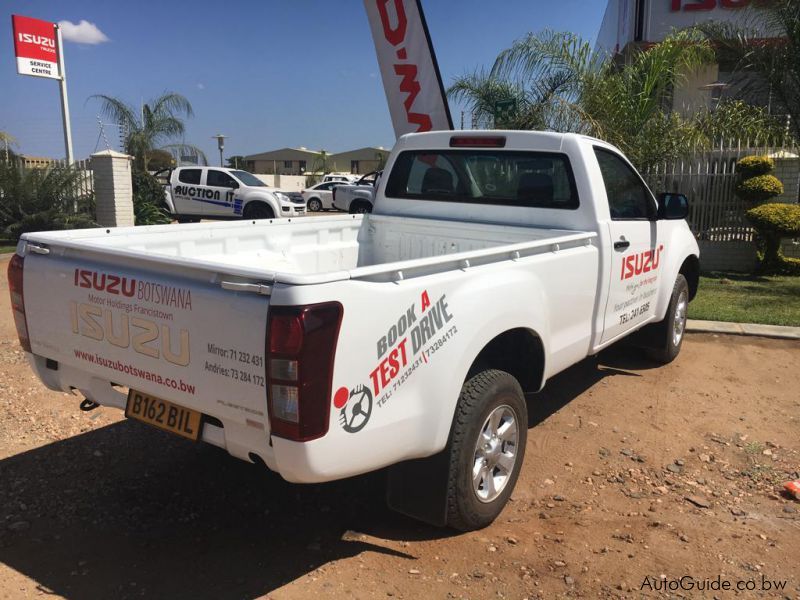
(164, 414)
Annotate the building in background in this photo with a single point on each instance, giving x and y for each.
(301, 161)
(631, 24)
(360, 161)
(286, 161)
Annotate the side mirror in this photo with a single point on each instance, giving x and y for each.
(673, 207)
(233, 185)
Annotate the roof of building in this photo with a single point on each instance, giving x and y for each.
(284, 154)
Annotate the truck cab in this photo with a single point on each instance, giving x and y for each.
(194, 193)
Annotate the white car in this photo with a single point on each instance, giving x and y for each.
(406, 338)
(320, 196)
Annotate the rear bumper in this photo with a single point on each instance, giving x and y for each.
(237, 438)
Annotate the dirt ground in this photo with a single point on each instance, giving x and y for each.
(632, 474)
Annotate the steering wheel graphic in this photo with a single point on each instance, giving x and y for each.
(356, 413)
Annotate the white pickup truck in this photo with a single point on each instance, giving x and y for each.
(358, 197)
(194, 193)
(324, 348)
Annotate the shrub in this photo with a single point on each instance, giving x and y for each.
(781, 219)
(774, 221)
(759, 189)
(42, 199)
(753, 166)
(148, 200)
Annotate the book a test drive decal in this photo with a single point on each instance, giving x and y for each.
(408, 345)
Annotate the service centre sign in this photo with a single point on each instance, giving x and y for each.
(35, 47)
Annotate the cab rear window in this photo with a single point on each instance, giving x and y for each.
(530, 179)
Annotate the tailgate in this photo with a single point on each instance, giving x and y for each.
(176, 336)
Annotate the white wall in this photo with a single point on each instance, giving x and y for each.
(287, 183)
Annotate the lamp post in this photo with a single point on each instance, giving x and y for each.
(220, 144)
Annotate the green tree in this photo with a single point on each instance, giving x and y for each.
(6, 141)
(322, 164)
(42, 199)
(236, 162)
(157, 123)
(764, 70)
(556, 82)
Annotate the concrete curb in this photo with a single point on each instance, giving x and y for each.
(770, 331)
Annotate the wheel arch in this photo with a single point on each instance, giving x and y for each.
(519, 352)
(690, 269)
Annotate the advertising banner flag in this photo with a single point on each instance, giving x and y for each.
(35, 47)
(408, 66)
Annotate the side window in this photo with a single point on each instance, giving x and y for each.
(628, 198)
(220, 179)
(191, 176)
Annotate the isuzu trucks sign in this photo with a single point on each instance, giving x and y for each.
(35, 47)
(408, 66)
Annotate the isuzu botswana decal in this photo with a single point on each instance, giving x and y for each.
(407, 345)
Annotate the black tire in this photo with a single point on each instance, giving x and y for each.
(315, 205)
(187, 219)
(481, 395)
(664, 342)
(258, 210)
(360, 208)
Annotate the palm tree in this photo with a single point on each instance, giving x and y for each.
(560, 84)
(6, 140)
(764, 70)
(159, 121)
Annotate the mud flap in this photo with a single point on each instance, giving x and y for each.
(418, 488)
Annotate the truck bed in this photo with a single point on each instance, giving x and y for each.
(312, 250)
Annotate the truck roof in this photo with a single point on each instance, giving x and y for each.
(515, 139)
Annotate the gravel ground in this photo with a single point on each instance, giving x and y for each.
(632, 474)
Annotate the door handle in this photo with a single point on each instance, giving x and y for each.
(621, 245)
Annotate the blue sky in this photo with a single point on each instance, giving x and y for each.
(268, 74)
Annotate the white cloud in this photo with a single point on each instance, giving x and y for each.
(201, 86)
(82, 33)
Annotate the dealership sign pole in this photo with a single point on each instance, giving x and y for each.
(40, 53)
(409, 71)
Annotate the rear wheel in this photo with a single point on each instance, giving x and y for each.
(258, 211)
(360, 208)
(314, 205)
(667, 336)
(486, 449)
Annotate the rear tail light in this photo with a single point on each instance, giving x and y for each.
(18, 300)
(478, 141)
(300, 351)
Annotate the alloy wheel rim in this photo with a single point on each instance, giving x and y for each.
(495, 454)
(679, 320)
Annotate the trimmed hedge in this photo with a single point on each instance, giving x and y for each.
(781, 219)
(774, 221)
(759, 188)
(753, 166)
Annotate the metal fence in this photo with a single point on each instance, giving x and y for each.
(708, 178)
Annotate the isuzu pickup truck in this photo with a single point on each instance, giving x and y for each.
(358, 197)
(404, 339)
(195, 193)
